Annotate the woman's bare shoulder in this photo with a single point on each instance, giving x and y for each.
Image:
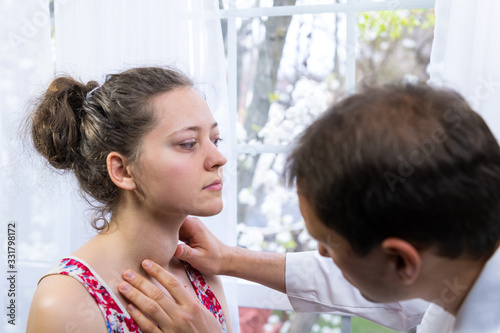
(62, 304)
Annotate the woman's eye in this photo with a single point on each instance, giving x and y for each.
(188, 145)
(216, 141)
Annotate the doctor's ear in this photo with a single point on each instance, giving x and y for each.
(405, 259)
(119, 172)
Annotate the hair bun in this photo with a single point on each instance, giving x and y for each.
(56, 121)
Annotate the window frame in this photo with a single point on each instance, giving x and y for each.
(250, 294)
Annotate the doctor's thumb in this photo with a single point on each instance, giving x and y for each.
(183, 252)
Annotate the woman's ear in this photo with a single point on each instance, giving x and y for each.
(405, 258)
(119, 172)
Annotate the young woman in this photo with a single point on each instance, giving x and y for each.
(144, 146)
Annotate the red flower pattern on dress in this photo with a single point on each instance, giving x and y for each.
(205, 294)
(116, 317)
(117, 320)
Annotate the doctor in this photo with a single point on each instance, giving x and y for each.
(400, 185)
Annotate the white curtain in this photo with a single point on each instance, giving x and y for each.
(92, 38)
(33, 201)
(466, 54)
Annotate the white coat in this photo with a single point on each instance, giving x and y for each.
(315, 284)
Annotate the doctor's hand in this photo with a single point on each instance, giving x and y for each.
(202, 250)
(210, 256)
(156, 312)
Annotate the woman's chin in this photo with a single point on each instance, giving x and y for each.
(210, 211)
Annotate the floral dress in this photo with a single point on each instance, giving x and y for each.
(116, 317)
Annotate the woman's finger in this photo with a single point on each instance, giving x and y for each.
(167, 280)
(181, 314)
(147, 288)
(150, 307)
(146, 325)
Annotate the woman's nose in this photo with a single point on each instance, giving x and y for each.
(215, 159)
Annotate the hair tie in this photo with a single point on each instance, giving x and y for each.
(89, 94)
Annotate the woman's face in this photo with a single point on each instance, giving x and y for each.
(179, 170)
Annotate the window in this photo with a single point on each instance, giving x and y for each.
(287, 61)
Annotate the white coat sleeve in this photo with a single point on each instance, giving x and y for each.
(315, 284)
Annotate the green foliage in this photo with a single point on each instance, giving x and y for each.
(273, 97)
(392, 24)
(256, 128)
(361, 325)
(289, 245)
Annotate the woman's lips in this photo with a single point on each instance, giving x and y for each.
(214, 186)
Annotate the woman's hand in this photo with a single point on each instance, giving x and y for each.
(180, 313)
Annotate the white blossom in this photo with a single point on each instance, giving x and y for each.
(246, 197)
(270, 179)
(251, 239)
(284, 237)
(408, 43)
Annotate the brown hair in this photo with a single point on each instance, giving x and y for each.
(406, 161)
(75, 125)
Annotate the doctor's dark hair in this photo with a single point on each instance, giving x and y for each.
(407, 161)
(75, 126)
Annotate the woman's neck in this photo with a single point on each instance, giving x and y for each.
(145, 236)
(131, 237)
